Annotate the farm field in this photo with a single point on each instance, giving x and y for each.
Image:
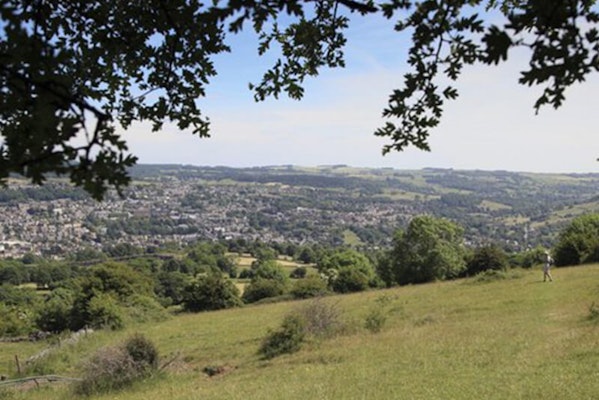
(514, 338)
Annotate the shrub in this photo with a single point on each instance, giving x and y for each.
(287, 339)
(485, 258)
(170, 286)
(312, 286)
(354, 272)
(247, 274)
(55, 314)
(12, 295)
(321, 318)
(350, 280)
(109, 369)
(112, 368)
(105, 312)
(299, 273)
(14, 322)
(377, 317)
(375, 320)
(429, 249)
(261, 288)
(211, 292)
(118, 279)
(578, 243)
(270, 269)
(143, 352)
(142, 308)
(529, 258)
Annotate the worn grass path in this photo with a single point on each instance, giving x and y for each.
(517, 338)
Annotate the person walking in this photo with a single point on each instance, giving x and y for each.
(547, 267)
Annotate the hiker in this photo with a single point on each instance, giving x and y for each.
(546, 267)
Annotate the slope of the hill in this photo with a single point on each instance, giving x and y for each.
(516, 338)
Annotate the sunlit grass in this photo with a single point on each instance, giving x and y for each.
(507, 339)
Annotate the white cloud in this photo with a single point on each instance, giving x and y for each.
(491, 125)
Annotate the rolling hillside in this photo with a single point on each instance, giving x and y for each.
(514, 338)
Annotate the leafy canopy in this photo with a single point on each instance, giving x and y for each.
(429, 249)
(72, 72)
(578, 243)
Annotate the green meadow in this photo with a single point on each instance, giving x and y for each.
(511, 338)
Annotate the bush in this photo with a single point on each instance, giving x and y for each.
(375, 320)
(113, 368)
(299, 273)
(312, 286)
(247, 274)
(211, 292)
(105, 312)
(377, 317)
(143, 352)
(170, 287)
(55, 314)
(14, 322)
(485, 258)
(429, 249)
(353, 271)
(350, 280)
(141, 308)
(529, 258)
(12, 295)
(261, 288)
(321, 318)
(579, 242)
(287, 339)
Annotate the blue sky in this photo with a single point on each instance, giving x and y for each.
(491, 126)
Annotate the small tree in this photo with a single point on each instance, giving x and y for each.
(269, 280)
(311, 286)
(170, 286)
(211, 292)
(485, 258)
(105, 312)
(55, 314)
(431, 248)
(299, 273)
(578, 243)
(353, 271)
(260, 288)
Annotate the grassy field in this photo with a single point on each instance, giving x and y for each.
(517, 338)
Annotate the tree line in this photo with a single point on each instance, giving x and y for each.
(103, 293)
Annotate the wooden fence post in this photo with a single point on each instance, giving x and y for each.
(18, 364)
